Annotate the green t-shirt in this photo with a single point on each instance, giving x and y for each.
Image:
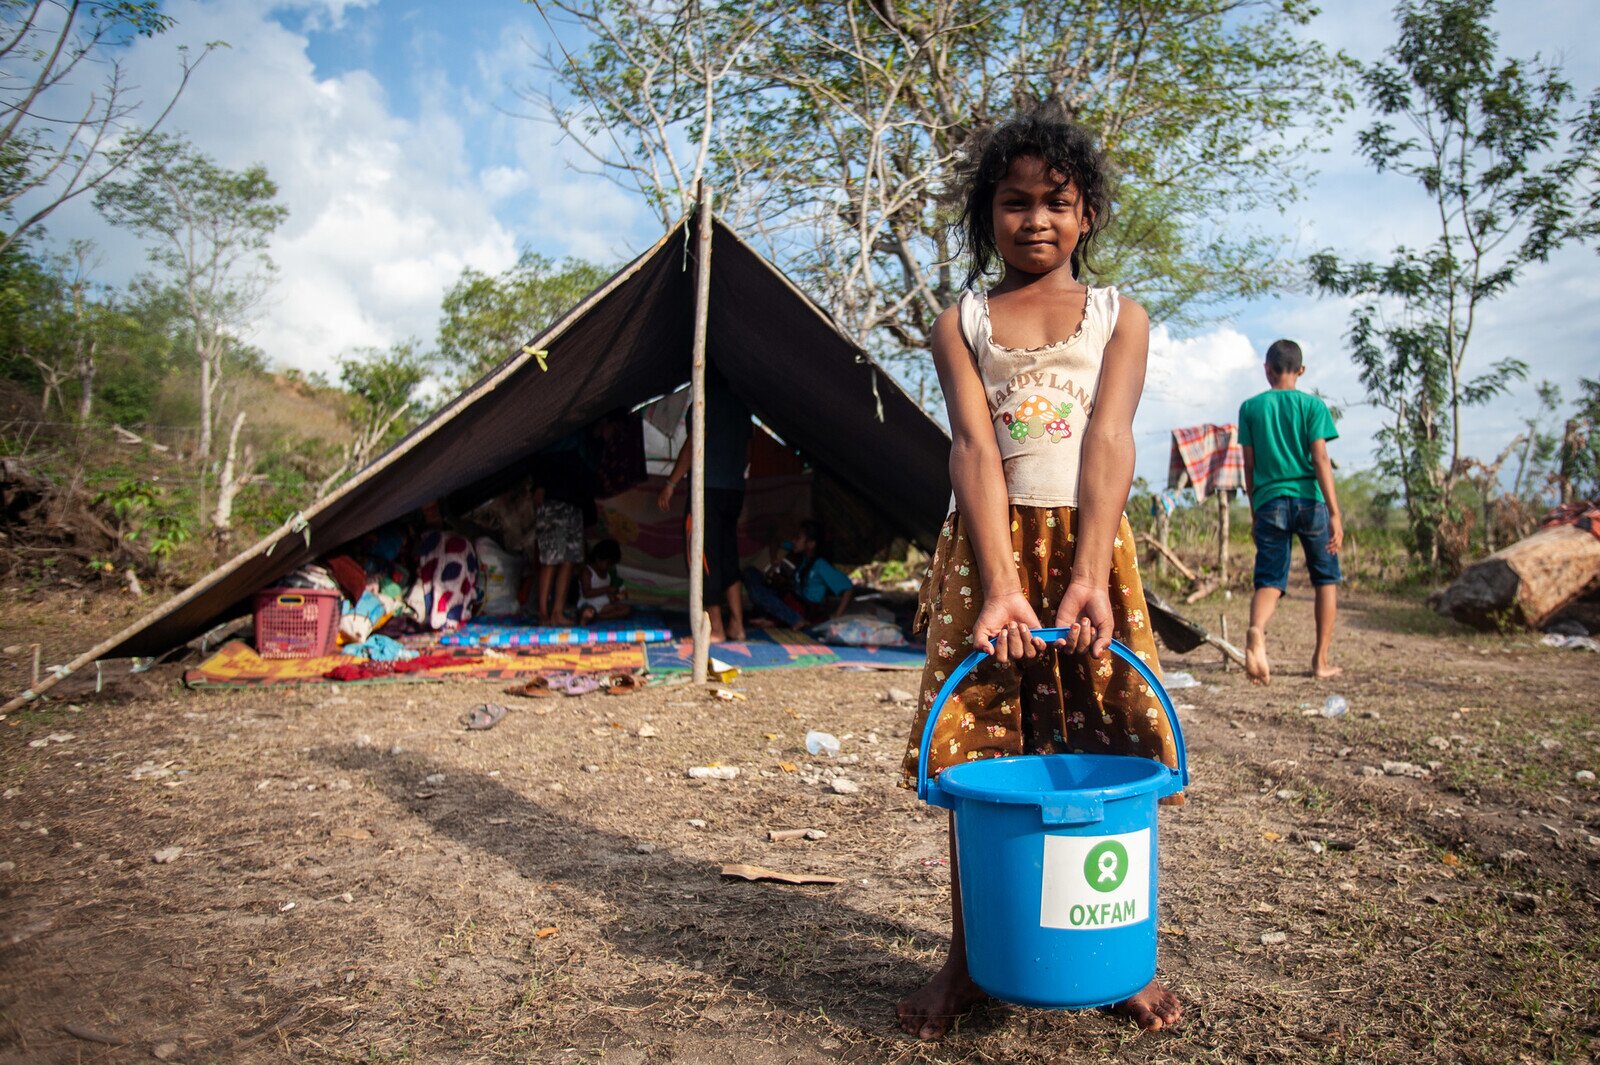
(1280, 424)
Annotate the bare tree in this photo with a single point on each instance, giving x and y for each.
(56, 140)
(210, 228)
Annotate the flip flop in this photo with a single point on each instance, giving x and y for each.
(484, 716)
(581, 685)
(535, 687)
(623, 683)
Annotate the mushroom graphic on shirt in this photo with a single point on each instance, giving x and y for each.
(1030, 418)
(1058, 426)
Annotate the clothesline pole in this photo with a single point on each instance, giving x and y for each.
(1222, 537)
(698, 618)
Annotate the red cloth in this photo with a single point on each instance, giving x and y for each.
(1584, 513)
(367, 670)
(1209, 456)
(349, 574)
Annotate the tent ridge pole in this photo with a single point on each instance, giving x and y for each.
(699, 622)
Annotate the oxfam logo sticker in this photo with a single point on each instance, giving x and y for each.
(1106, 867)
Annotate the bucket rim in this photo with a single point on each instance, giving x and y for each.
(1154, 779)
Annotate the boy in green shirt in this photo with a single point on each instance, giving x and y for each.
(1284, 433)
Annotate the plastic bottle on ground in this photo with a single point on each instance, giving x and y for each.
(1335, 706)
(824, 743)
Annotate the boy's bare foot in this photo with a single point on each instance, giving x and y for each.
(1152, 1009)
(1323, 671)
(1256, 666)
(928, 1012)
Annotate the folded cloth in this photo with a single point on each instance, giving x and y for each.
(1208, 457)
(1583, 513)
(368, 670)
(380, 648)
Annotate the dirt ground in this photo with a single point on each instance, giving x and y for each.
(362, 880)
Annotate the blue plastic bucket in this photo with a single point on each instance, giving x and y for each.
(1057, 860)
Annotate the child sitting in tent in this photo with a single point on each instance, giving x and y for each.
(801, 587)
(600, 591)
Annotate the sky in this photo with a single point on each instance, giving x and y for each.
(401, 143)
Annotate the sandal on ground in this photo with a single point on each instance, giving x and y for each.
(534, 687)
(484, 716)
(581, 685)
(623, 683)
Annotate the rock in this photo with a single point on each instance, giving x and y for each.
(12, 793)
(1288, 794)
(872, 738)
(644, 848)
(8, 867)
(363, 740)
(434, 779)
(1582, 776)
(1552, 830)
(1593, 841)
(695, 822)
(899, 695)
(714, 772)
(1371, 771)
(166, 854)
(843, 786)
(1513, 856)
(1273, 939)
(648, 731)
(591, 769)
(1438, 743)
(1404, 769)
(1315, 846)
(164, 1051)
(816, 834)
(396, 749)
(1520, 901)
(1548, 744)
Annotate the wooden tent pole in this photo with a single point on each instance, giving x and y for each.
(698, 619)
(1222, 537)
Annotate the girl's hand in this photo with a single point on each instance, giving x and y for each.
(1005, 628)
(1086, 607)
(664, 497)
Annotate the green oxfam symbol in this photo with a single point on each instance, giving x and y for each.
(1107, 866)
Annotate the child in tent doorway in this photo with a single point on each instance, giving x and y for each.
(1041, 376)
(600, 592)
(1287, 473)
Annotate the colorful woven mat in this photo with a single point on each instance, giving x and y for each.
(763, 649)
(236, 665)
(517, 632)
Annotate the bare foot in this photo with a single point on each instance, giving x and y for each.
(1256, 666)
(1324, 671)
(736, 635)
(929, 1011)
(1152, 1009)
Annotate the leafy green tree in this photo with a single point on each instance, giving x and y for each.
(487, 318)
(382, 401)
(209, 229)
(1578, 469)
(1502, 149)
(836, 127)
(60, 138)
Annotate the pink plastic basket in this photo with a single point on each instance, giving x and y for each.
(296, 622)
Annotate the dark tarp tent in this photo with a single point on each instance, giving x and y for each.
(625, 343)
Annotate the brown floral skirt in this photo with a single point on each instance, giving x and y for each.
(1052, 704)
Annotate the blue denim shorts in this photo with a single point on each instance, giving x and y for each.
(1277, 523)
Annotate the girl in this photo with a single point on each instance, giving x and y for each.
(600, 591)
(1041, 377)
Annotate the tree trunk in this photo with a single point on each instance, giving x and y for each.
(206, 371)
(1526, 582)
(86, 366)
(228, 486)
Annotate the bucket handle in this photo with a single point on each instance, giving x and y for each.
(1118, 648)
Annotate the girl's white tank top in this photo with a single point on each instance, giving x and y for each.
(1040, 399)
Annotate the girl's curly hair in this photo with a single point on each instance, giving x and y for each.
(1045, 132)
